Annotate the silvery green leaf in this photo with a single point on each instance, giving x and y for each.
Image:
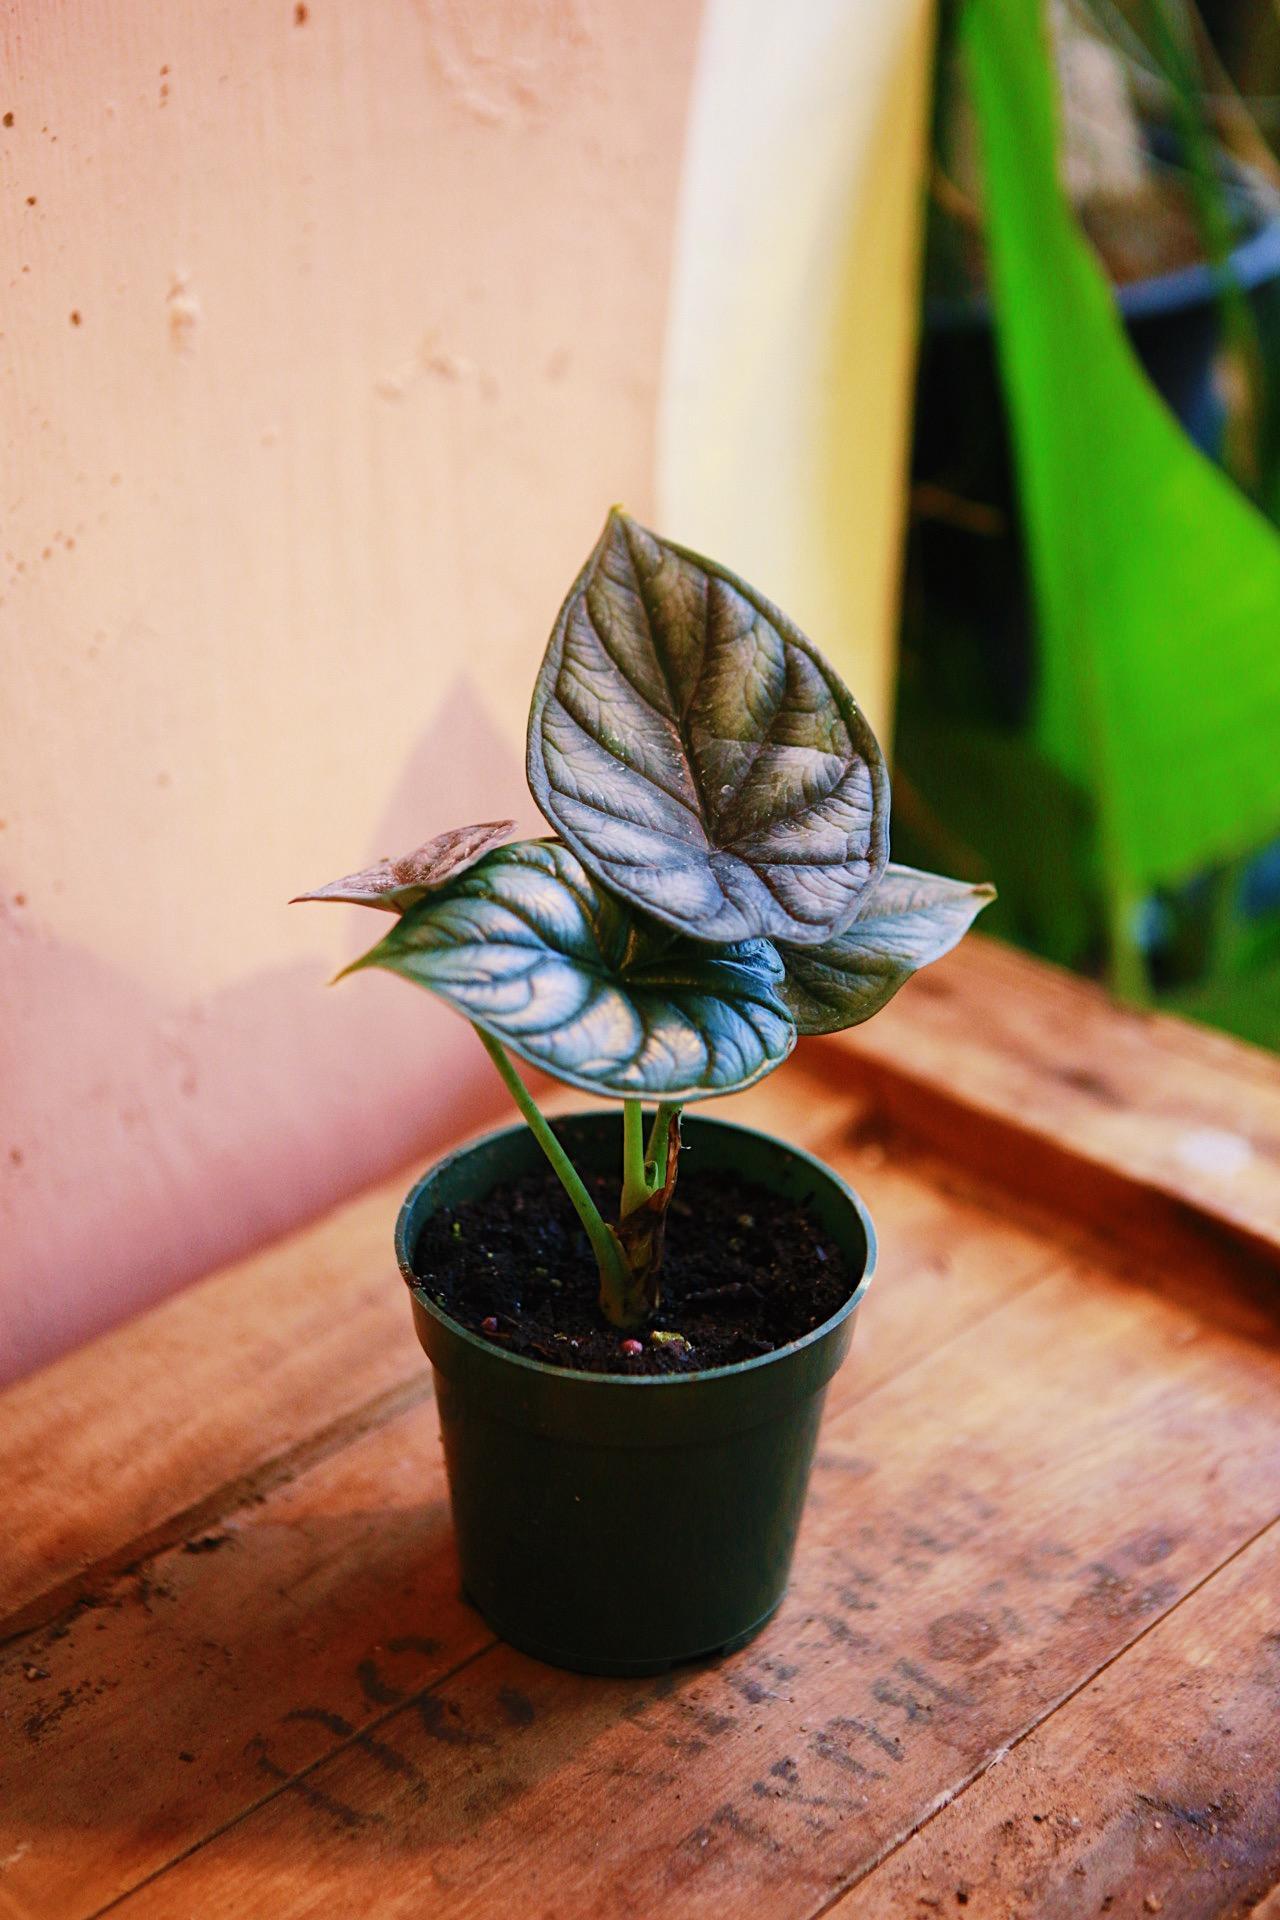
(907, 920)
(699, 755)
(528, 946)
(397, 884)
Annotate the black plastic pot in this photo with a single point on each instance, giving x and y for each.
(620, 1525)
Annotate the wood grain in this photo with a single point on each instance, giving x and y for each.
(1033, 1076)
(137, 1438)
(194, 1685)
(1153, 1791)
(988, 1530)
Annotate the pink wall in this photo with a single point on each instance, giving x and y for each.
(330, 332)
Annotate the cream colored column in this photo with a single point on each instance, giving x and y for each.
(791, 342)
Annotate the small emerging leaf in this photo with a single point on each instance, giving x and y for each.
(699, 755)
(397, 884)
(528, 947)
(909, 919)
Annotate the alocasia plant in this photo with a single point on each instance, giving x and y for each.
(720, 884)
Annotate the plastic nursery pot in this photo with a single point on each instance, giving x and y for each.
(620, 1525)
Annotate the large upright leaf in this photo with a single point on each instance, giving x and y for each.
(1157, 584)
(908, 920)
(394, 885)
(697, 752)
(530, 948)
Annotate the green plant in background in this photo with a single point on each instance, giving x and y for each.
(1157, 585)
(720, 885)
(1118, 767)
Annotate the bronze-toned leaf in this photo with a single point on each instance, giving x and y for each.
(699, 755)
(397, 884)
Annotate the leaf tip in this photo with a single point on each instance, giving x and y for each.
(353, 966)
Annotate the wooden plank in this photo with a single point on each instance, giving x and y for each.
(1040, 1492)
(1153, 1791)
(170, 1419)
(1031, 1075)
(145, 1722)
(275, 1638)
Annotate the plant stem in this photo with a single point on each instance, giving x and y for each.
(635, 1183)
(656, 1151)
(615, 1279)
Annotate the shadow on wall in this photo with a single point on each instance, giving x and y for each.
(243, 1114)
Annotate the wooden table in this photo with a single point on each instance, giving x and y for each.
(1030, 1662)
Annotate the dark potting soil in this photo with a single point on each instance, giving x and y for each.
(744, 1272)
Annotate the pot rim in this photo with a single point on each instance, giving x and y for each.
(1253, 259)
(580, 1377)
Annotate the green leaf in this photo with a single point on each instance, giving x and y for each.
(531, 949)
(699, 755)
(397, 884)
(1157, 584)
(909, 919)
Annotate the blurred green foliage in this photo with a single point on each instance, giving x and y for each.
(1117, 766)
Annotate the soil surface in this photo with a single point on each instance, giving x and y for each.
(744, 1272)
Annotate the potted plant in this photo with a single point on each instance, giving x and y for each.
(630, 1373)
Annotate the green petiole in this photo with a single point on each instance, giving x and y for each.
(627, 1260)
(616, 1285)
(635, 1172)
